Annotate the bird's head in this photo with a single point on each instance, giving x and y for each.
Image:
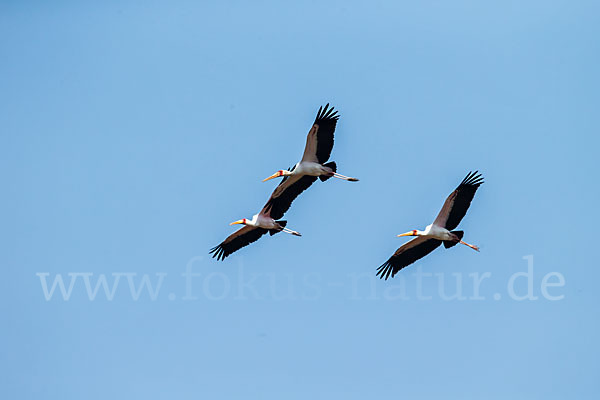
(414, 232)
(242, 221)
(278, 174)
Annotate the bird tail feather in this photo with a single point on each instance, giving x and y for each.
(282, 224)
(331, 165)
(450, 243)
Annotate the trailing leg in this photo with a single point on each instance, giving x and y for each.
(346, 178)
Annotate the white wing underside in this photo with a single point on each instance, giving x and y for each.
(284, 185)
(310, 151)
(410, 244)
(238, 233)
(442, 217)
(290, 180)
(265, 213)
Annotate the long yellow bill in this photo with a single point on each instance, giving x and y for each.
(241, 221)
(275, 175)
(411, 233)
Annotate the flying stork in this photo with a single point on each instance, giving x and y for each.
(319, 143)
(441, 231)
(261, 223)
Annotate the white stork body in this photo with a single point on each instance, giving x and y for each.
(264, 221)
(440, 231)
(311, 168)
(436, 232)
(261, 221)
(313, 165)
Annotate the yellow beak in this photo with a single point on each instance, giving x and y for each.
(241, 221)
(406, 234)
(275, 175)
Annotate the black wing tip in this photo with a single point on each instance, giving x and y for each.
(473, 179)
(218, 252)
(325, 114)
(385, 270)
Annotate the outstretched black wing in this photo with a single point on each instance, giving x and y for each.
(237, 240)
(456, 205)
(406, 255)
(285, 193)
(319, 141)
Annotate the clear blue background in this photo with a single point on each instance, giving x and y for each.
(132, 133)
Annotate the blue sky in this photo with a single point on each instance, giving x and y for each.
(132, 133)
